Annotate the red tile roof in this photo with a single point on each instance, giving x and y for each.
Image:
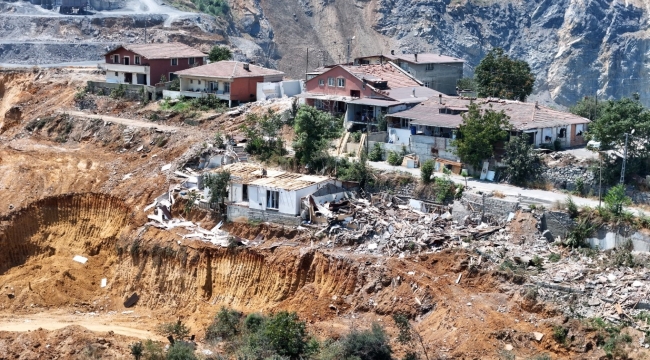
(163, 50)
(523, 116)
(390, 73)
(229, 69)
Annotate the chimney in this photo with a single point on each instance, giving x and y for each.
(440, 98)
(416, 57)
(247, 66)
(392, 52)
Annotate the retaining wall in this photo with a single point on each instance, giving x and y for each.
(239, 213)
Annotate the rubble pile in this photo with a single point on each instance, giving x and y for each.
(564, 171)
(388, 224)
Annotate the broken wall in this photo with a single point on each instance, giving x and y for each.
(238, 213)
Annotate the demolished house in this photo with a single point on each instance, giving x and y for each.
(256, 193)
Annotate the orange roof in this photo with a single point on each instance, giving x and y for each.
(162, 50)
(229, 69)
(391, 73)
(523, 115)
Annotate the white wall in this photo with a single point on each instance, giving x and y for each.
(112, 78)
(396, 108)
(399, 136)
(235, 193)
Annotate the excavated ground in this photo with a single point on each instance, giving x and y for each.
(78, 186)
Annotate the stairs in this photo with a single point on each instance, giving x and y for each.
(242, 155)
(362, 144)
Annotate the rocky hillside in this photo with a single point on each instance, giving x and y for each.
(574, 47)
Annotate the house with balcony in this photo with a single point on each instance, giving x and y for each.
(149, 64)
(231, 81)
(364, 93)
(435, 71)
(429, 129)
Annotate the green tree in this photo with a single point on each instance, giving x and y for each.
(376, 153)
(225, 325)
(479, 133)
(181, 351)
(588, 107)
(616, 199)
(263, 135)
(137, 349)
(219, 53)
(178, 330)
(466, 84)
(382, 123)
(286, 334)
(314, 130)
(497, 75)
(175, 85)
(358, 171)
(218, 183)
(367, 344)
(426, 170)
(393, 158)
(521, 161)
(153, 350)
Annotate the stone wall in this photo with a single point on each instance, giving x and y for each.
(556, 223)
(495, 207)
(567, 178)
(131, 91)
(238, 213)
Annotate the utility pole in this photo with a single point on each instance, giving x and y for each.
(145, 30)
(600, 181)
(624, 158)
(348, 58)
(307, 65)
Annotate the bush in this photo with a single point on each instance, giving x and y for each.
(118, 92)
(571, 207)
(377, 153)
(178, 330)
(153, 350)
(137, 349)
(616, 199)
(577, 237)
(175, 85)
(356, 136)
(426, 170)
(560, 333)
(225, 325)
(181, 351)
(286, 334)
(367, 345)
(393, 158)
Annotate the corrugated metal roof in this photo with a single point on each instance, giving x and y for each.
(424, 58)
(252, 174)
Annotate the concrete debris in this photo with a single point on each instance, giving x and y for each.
(80, 259)
(103, 283)
(166, 167)
(538, 336)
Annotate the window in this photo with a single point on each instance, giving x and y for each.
(190, 61)
(330, 81)
(321, 82)
(272, 199)
(341, 82)
(126, 61)
(191, 81)
(116, 73)
(244, 192)
(226, 88)
(116, 59)
(136, 60)
(579, 129)
(199, 82)
(429, 67)
(174, 62)
(427, 84)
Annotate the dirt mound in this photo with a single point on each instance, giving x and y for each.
(40, 241)
(71, 342)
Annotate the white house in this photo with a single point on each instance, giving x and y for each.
(254, 189)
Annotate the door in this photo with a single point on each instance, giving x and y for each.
(126, 60)
(128, 78)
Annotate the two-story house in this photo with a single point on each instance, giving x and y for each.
(361, 94)
(149, 64)
(438, 72)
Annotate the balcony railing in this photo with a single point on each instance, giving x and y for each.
(138, 69)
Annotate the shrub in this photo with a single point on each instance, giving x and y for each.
(616, 199)
(181, 351)
(286, 334)
(118, 92)
(80, 94)
(426, 170)
(175, 85)
(580, 185)
(356, 136)
(571, 207)
(554, 257)
(137, 349)
(377, 153)
(393, 158)
(178, 330)
(225, 325)
(367, 345)
(560, 333)
(153, 350)
(577, 237)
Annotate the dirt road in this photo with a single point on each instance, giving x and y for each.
(127, 122)
(99, 323)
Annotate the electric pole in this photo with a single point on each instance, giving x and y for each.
(624, 158)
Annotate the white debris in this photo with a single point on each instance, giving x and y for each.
(80, 259)
(103, 284)
(166, 167)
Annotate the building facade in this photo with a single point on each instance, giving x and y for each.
(149, 64)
